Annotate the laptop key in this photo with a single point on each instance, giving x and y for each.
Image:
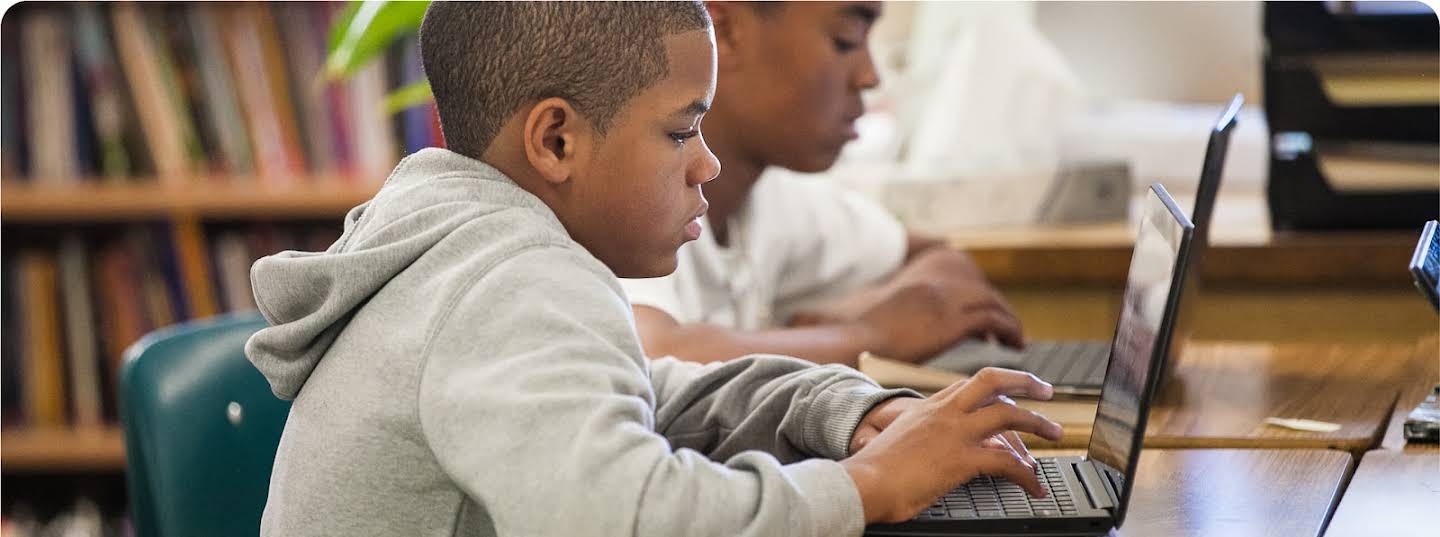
(991, 514)
(1046, 512)
(962, 513)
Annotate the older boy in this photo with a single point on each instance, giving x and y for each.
(463, 361)
(792, 266)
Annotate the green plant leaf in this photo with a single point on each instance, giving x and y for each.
(365, 29)
(408, 96)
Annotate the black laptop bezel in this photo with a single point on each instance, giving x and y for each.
(1213, 169)
(1208, 190)
(1430, 289)
(1158, 354)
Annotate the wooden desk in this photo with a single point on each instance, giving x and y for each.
(1393, 493)
(1233, 492)
(1423, 375)
(1257, 285)
(1223, 392)
(1243, 249)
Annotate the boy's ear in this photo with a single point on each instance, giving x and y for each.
(730, 22)
(551, 136)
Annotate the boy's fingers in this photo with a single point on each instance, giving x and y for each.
(1006, 464)
(995, 442)
(993, 322)
(1009, 443)
(1019, 446)
(982, 388)
(999, 418)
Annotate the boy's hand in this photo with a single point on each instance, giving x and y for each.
(918, 449)
(885, 413)
(920, 319)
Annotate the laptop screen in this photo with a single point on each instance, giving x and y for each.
(1210, 171)
(1205, 193)
(1141, 337)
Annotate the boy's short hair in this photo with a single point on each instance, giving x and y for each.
(485, 60)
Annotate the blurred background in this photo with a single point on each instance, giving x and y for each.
(151, 152)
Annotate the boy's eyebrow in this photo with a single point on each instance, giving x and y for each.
(695, 108)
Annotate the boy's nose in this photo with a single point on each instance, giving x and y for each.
(866, 75)
(705, 168)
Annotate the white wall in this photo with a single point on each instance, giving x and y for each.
(1168, 51)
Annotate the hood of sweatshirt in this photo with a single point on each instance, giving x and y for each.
(309, 297)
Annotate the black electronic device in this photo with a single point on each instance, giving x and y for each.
(1088, 495)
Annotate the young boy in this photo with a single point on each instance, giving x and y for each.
(463, 361)
(792, 266)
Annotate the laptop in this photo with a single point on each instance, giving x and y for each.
(1425, 264)
(1088, 495)
(1077, 368)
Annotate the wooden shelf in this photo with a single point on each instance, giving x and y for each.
(62, 450)
(321, 197)
(1342, 259)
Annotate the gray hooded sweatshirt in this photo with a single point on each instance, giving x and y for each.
(460, 366)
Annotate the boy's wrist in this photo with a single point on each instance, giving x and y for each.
(867, 483)
(867, 336)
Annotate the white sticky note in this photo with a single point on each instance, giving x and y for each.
(1312, 426)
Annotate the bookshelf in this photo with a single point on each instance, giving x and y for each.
(69, 450)
(150, 152)
(318, 197)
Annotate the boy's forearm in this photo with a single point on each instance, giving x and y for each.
(822, 344)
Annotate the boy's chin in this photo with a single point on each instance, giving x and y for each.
(655, 268)
(813, 162)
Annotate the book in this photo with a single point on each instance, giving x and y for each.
(123, 315)
(241, 36)
(12, 407)
(221, 106)
(80, 331)
(177, 80)
(50, 122)
(273, 57)
(192, 269)
(14, 145)
(374, 144)
(232, 267)
(101, 74)
(150, 277)
(307, 88)
(43, 366)
(157, 116)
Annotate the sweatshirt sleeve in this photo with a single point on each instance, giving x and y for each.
(785, 406)
(535, 399)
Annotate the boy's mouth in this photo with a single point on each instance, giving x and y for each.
(692, 229)
(850, 132)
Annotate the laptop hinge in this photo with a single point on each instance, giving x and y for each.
(1096, 490)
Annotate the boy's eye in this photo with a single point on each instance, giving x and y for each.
(681, 136)
(843, 45)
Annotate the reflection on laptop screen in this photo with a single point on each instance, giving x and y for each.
(1157, 247)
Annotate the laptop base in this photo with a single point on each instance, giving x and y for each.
(1075, 368)
(980, 507)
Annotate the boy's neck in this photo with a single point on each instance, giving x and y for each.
(729, 191)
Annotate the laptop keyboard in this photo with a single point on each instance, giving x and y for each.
(1064, 363)
(1072, 363)
(992, 497)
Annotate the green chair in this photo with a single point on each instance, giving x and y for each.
(201, 427)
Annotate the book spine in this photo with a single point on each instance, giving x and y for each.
(83, 357)
(44, 370)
